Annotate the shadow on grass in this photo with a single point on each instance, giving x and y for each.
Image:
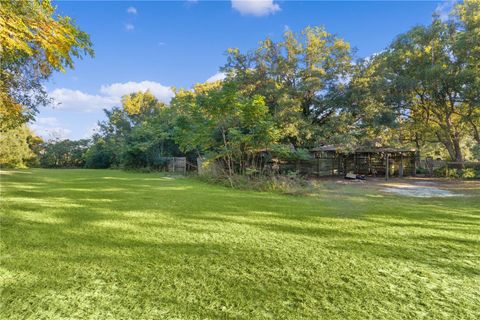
(198, 248)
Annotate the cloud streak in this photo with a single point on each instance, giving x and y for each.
(216, 77)
(132, 10)
(443, 9)
(50, 128)
(129, 27)
(161, 92)
(256, 8)
(109, 96)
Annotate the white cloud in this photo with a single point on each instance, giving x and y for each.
(189, 3)
(132, 10)
(443, 9)
(76, 100)
(217, 76)
(256, 8)
(161, 92)
(110, 96)
(49, 128)
(129, 27)
(47, 121)
(161, 44)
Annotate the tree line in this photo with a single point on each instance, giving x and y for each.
(305, 90)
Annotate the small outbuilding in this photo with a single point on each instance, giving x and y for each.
(365, 161)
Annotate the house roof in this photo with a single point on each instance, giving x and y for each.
(332, 148)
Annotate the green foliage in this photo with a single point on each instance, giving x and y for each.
(470, 173)
(421, 170)
(221, 120)
(16, 147)
(424, 86)
(300, 79)
(141, 105)
(291, 183)
(99, 156)
(34, 42)
(285, 152)
(475, 150)
(64, 154)
(444, 172)
(465, 173)
(138, 135)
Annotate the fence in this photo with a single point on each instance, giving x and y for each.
(313, 167)
(175, 164)
(463, 165)
(359, 163)
(432, 166)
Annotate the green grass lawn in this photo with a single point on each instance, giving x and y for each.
(106, 244)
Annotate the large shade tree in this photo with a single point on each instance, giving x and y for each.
(137, 134)
(300, 77)
(426, 83)
(34, 42)
(225, 122)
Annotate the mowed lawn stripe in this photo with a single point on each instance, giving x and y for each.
(91, 244)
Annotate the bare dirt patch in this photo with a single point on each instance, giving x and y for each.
(415, 186)
(420, 192)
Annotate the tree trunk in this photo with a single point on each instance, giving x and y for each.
(448, 145)
(228, 157)
(476, 134)
(452, 144)
(458, 149)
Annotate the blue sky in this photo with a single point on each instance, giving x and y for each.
(159, 44)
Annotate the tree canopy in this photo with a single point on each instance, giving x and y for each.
(34, 42)
(304, 90)
(425, 85)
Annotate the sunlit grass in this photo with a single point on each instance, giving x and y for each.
(102, 244)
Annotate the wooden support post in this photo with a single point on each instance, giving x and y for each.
(333, 165)
(414, 164)
(400, 167)
(355, 162)
(369, 163)
(386, 168)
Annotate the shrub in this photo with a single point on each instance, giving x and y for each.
(447, 172)
(285, 152)
(470, 173)
(467, 173)
(99, 156)
(439, 172)
(421, 170)
(289, 184)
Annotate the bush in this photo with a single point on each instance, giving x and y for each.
(470, 173)
(467, 173)
(421, 170)
(444, 172)
(291, 184)
(285, 152)
(476, 152)
(439, 172)
(64, 153)
(98, 157)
